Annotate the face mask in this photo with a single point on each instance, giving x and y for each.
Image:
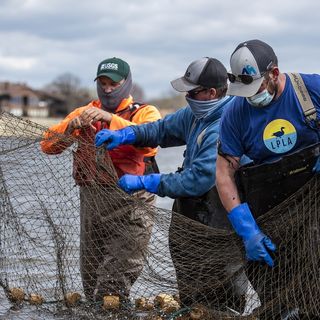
(261, 99)
(201, 108)
(110, 101)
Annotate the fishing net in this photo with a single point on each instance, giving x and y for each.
(95, 252)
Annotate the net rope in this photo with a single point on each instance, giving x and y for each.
(179, 269)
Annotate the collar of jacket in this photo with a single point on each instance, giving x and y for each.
(217, 111)
(124, 104)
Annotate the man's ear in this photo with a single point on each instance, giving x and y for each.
(213, 93)
(275, 73)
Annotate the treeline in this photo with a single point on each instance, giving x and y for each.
(68, 87)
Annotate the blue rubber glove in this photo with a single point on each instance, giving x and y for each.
(316, 167)
(114, 138)
(130, 183)
(256, 243)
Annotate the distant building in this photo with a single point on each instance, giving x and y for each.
(21, 100)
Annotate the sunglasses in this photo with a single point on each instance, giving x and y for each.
(243, 78)
(194, 92)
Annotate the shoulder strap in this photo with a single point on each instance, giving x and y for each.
(133, 107)
(136, 106)
(303, 96)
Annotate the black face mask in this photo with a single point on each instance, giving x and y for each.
(110, 101)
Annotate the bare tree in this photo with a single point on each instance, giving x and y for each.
(69, 87)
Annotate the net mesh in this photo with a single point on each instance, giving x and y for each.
(94, 252)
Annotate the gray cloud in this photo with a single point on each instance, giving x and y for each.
(42, 39)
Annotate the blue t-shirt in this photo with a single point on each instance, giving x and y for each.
(265, 134)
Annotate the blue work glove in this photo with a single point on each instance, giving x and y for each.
(256, 243)
(114, 138)
(316, 167)
(130, 183)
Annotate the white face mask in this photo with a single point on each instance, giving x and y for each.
(261, 99)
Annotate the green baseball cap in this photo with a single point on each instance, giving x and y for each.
(113, 68)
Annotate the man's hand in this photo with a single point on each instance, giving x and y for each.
(88, 118)
(316, 167)
(93, 115)
(256, 248)
(255, 241)
(130, 183)
(114, 138)
(75, 124)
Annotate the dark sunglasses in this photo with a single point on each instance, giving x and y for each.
(243, 78)
(194, 92)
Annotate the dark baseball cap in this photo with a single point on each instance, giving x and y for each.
(113, 68)
(252, 57)
(205, 72)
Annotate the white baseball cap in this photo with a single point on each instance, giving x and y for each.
(249, 62)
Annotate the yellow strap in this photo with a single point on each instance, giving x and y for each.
(303, 95)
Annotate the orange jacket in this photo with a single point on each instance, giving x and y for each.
(126, 158)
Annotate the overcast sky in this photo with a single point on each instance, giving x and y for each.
(42, 39)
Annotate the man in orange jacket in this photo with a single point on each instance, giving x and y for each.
(111, 258)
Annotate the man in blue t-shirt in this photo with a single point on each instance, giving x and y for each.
(265, 122)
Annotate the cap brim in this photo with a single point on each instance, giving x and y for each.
(244, 90)
(113, 76)
(182, 85)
